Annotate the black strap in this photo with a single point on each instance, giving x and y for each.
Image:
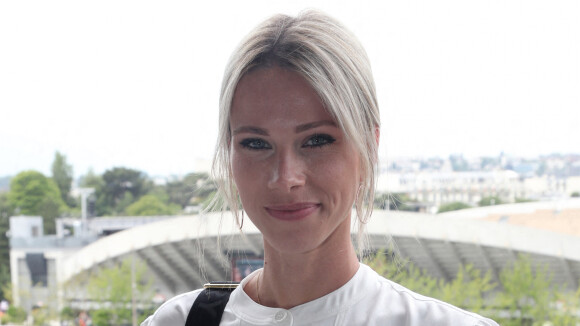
(208, 308)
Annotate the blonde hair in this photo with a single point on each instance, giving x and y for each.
(335, 64)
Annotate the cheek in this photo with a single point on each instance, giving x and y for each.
(239, 169)
(246, 174)
(339, 175)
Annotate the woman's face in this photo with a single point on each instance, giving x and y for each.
(296, 172)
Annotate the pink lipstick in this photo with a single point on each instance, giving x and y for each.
(292, 212)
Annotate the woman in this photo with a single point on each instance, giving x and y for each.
(299, 131)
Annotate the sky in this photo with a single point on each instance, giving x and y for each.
(135, 83)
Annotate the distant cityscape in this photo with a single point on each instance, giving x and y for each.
(430, 182)
(436, 181)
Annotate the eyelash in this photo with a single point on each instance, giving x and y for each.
(321, 140)
(250, 143)
(316, 141)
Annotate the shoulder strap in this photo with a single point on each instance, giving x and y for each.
(208, 308)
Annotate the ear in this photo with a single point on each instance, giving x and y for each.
(377, 134)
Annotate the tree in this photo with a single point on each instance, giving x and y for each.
(31, 193)
(490, 201)
(195, 186)
(97, 205)
(62, 174)
(113, 288)
(567, 312)
(150, 205)
(527, 293)
(116, 189)
(6, 212)
(119, 183)
(527, 297)
(14, 315)
(523, 200)
(454, 206)
(467, 290)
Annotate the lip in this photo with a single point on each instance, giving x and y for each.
(292, 212)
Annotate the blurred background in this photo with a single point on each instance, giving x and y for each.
(108, 121)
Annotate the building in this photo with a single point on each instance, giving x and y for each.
(181, 253)
(434, 188)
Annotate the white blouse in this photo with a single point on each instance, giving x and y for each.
(367, 299)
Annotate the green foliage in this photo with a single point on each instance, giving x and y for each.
(5, 281)
(6, 209)
(523, 200)
(566, 312)
(62, 174)
(106, 317)
(120, 188)
(575, 194)
(95, 181)
(5, 212)
(406, 274)
(527, 297)
(120, 180)
(40, 316)
(527, 293)
(192, 187)
(68, 314)
(34, 194)
(29, 189)
(150, 205)
(490, 201)
(454, 206)
(116, 189)
(113, 288)
(15, 315)
(6, 288)
(468, 289)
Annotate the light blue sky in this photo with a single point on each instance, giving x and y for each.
(135, 83)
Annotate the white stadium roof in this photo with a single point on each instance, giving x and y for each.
(183, 253)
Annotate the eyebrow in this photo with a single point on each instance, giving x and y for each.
(251, 130)
(315, 124)
(300, 128)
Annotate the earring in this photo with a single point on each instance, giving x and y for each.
(356, 206)
(242, 223)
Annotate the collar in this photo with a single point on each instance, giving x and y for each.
(347, 295)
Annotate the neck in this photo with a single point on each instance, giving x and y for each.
(291, 279)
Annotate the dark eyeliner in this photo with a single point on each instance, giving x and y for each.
(254, 144)
(321, 140)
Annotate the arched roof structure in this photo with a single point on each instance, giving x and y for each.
(184, 252)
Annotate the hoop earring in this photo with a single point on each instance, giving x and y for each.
(356, 208)
(242, 223)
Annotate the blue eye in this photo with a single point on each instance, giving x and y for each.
(319, 141)
(255, 144)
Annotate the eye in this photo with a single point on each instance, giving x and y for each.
(319, 140)
(255, 144)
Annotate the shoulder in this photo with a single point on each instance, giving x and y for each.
(174, 311)
(411, 308)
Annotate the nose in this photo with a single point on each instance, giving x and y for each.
(287, 172)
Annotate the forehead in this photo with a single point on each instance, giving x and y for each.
(275, 93)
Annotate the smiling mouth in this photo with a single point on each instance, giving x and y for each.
(292, 212)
